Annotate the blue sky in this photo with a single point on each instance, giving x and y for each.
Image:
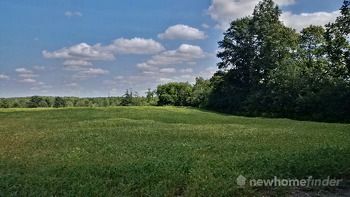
(100, 48)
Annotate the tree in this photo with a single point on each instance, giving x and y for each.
(252, 48)
(82, 102)
(49, 101)
(344, 20)
(174, 93)
(69, 104)
(105, 102)
(150, 96)
(312, 45)
(200, 92)
(16, 104)
(338, 44)
(127, 98)
(273, 42)
(59, 102)
(4, 103)
(35, 101)
(43, 103)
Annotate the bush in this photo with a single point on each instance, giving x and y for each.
(59, 102)
(178, 94)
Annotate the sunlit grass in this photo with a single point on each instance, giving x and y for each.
(157, 151)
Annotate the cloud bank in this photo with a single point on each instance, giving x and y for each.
(182, 32)
(82, 54)
(185, 54)
(224, 11)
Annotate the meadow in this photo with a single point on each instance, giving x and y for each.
(162, 151)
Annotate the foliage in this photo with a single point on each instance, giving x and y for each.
(200, 92)
(174, 93)
(45, 101)
(59, 102)
(4, 103)
(269, 69)
(35, 101)
(127, 98)
(151, 97)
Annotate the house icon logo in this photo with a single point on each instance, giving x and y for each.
(241, 181)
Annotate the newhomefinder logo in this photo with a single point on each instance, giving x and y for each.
(278, 182)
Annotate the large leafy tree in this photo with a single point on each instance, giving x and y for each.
(237, 51)
(312, 45)
(253, 47)
(338, 44)
(312, 59)
(267, 68)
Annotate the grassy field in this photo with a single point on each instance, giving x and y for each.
(160, 151)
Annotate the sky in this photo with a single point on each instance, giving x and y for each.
(96, 48)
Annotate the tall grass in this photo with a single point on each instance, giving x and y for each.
(157, 151)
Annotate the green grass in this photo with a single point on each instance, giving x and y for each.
(160, 151)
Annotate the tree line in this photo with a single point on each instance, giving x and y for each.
(268, 69)
(265, 69)
(129, 99)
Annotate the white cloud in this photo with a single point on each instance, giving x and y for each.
(80, 56)
(180, 78)
(89, 73)
(76, 65)
(144, 65)
(4, 77)
(72, 13)
(299, 21)
(28, 75)
(157, 69)
(95, 71)
(72, 85)
(135, 46)
(186, 70)
(184, 54)
(208, 72)
(189, 77)
(72, 63)
(96, 52)
(225, 11)
(81, 51)
(40, 86)
(184, 32)
(167, 70)
(165, 80)
(23, 71)
(30, 81)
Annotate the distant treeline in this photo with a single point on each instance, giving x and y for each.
(266, 69)
(58, 102)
